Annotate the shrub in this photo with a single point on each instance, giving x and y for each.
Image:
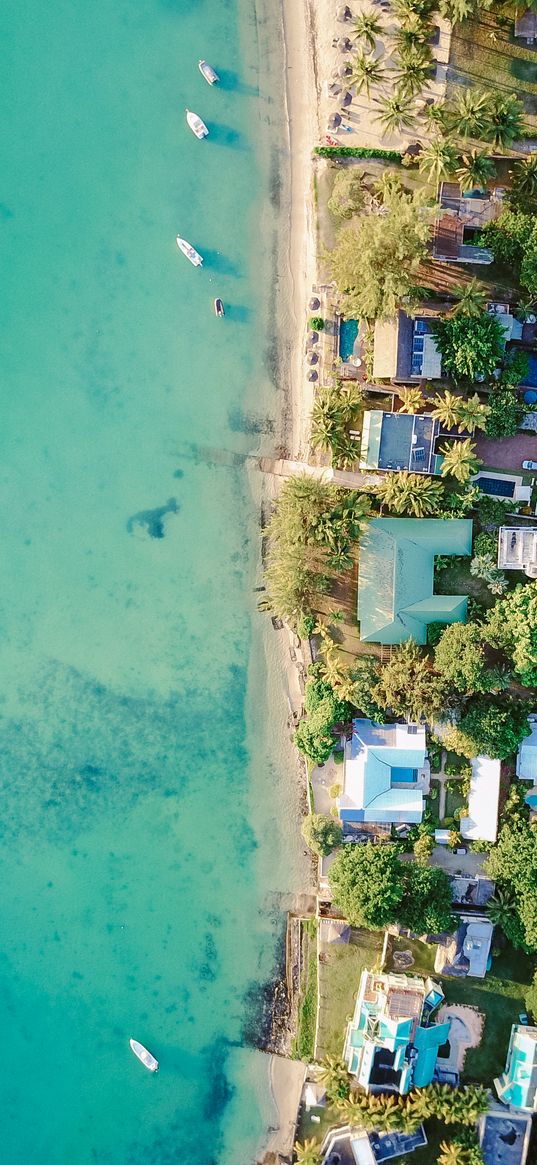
(317, 324)
(433, 795)
(356, 152)
(335, 791)
(339, 756)
(505, 413)
(435, 632)
(307, 626)
(485, 543)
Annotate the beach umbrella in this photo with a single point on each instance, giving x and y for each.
(312, 375)
(346, 99)
(314, 303)
(312, 358)
(334, 120)
(344, 70)
(312, 338)
(343, 13)
(344, 44)
(334, 89)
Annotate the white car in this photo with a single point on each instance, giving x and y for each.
(529, 464)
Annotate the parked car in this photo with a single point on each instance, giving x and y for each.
(523, 1017)
(529, 464)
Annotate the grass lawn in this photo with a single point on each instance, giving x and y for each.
(454, 801)
(456, 579)
(339, 979)
(303, 1043)
(485, 53)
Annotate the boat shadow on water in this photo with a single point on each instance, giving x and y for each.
(215, 261)
(238, 312)
(229, 80)
(225, 135)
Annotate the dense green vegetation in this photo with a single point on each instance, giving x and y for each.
(513, 864)
(373, 888)
(357, 152)
(321, 833)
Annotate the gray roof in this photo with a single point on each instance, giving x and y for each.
(392, 355)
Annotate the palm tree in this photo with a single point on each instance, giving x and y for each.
(410, 493)
(354, 1109)
(411, 399)
(367, 70)
(438, 159)
(388, 184)
(404, 9)
(453, 1153)
(476, 169)
(505, 121)
(473, 415)
(367, 26)
(471, 299)
(414, 70)
(397, 113)
(334, 1074)
(525, 177)
(460, 460)
(411, 34)
(501, 907)
(471, 112)
(308, 1153)
(447, 409)
(457, 10)
(332, 412)
(435, 116)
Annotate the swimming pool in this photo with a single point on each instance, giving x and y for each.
(497, 486)
(531, 799)
(348, 331)
(530, 380)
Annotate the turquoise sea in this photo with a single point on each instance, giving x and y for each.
(145, 804)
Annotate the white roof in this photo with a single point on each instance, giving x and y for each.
(476, 946)
(481, 824)
(361, 1150)
(526, 761)
(432, 359)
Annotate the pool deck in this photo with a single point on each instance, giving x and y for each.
(508, 452)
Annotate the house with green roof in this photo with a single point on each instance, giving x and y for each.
(396, 598)
(391, 1044)
(386, 773)
(517, 1086)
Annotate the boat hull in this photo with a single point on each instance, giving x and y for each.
(144, 1056)
(208, 72)
(189, 251)
(219, 308)
(198, 127)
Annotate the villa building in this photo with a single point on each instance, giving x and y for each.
(481, 821)
(461, 217)
(396, 597)
(405, 349)
(351, 1146)
(504, 1137)
(399, 441)
(386, 773)
(517, 1086)
(517, 549)
(391, 1045)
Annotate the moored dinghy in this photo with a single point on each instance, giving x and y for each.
(208, 72)
(197, 126)
(190, 251)
(219, 307)
(144, 1056)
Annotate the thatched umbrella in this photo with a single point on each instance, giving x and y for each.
(312, 374)
(312, 358)
(334, 89)
(344, 70)
(343, 44)
(346, 99)
(343, 13)
(314, 303)
(312, 338)
(334, 120)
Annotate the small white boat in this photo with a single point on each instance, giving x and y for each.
(208, 72)
(144, 1056)
(219, 308)
(189, 251)
(197, 126)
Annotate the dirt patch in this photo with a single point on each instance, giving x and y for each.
(466, 1032)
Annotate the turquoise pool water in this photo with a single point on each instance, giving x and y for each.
(531, 799)
(144, 814)
(348, 331)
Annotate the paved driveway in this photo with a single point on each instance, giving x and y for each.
(508, 452)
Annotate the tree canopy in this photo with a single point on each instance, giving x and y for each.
(367, 884)
(492, 728)
(460, 659)
(410, 493)
(314, 736)
(513, 864)
(321, 833)
(347, 193)
(512, 625)
(471, 345)
(426, 906)
(375, 260)
(407, 686)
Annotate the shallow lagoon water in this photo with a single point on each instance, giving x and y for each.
(141, 816)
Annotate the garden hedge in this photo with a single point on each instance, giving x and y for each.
(356, 152)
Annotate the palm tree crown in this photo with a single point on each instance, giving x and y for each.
(396, 113)
(414, 70)
(308, 1153)
(367, 26)
(367, 70)
(447, 409)
(476, 169)
(437, 160)
(473, 415)
(470, 113)
(410, 493)
(505, 122)
(460, 460)
(471, 299)
(525, 176)
(411, 399)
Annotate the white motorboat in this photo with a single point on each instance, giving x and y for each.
(208, 72)
(197, 126)
(144, 1056)
(189, 251)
